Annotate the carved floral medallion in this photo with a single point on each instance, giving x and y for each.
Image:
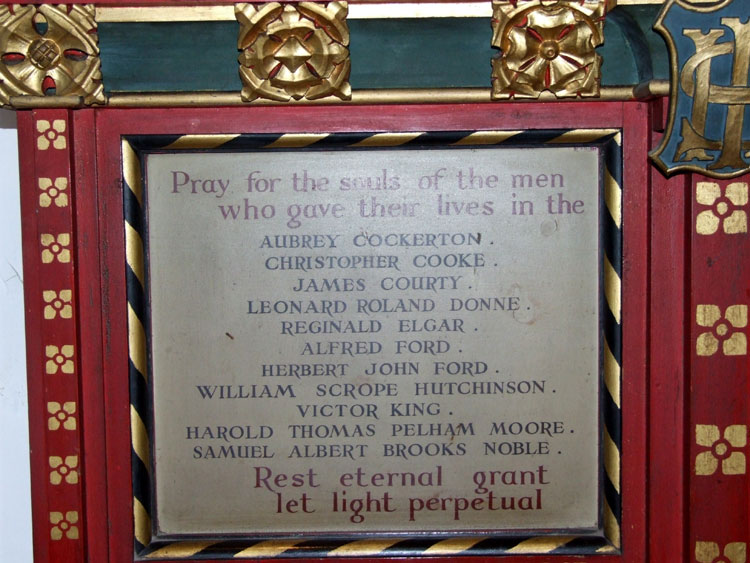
(547, 45)
(49, 51)
(294, 51)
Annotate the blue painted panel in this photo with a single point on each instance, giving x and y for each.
(176, 57)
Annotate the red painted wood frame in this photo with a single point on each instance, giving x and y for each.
(71, 175)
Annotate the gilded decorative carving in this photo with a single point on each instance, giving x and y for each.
(294, 51)
(49, 51)
(547, 45)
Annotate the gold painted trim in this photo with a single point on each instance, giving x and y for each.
(364, 547)
(137, 342)
(139, 437)
(452, 546)
(134, 252)
(142, 522)
(29, 102)
(268, 548)
(487, 137)
(540, 545)
(131, 170)
(611, 527)
(612, 289)
(612, 375)
(387, 139)
(143, 14)
(296, 140)
(583, 135)
(182, 99)
(360, 11)
(611, 460)
(181, 549)
(613, 198)
(703, 6)
(200, 142)
(651, 89)
(363, 97)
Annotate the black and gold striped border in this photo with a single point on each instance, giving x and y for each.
(611, 345)
(607, 541)
(138, 369)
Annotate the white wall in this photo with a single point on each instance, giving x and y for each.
(15, 495)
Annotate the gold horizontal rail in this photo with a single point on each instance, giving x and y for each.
(646, 90)
(366, 97)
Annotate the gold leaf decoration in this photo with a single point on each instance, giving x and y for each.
(733, 342)
(724, 451)
(59, 358)
(726, 210)
(62, 415)
(53, 192)
(63, 469)
(55, 248)
(64, 525)
(49, 50)
(547, 45)
(58, 303)
(51, 134)
(708, 552)
(294, 51)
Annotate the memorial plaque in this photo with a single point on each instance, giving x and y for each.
(376, 340)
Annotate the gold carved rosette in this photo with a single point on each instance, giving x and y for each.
(547, 45)
(294, 51)
(49, 51)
